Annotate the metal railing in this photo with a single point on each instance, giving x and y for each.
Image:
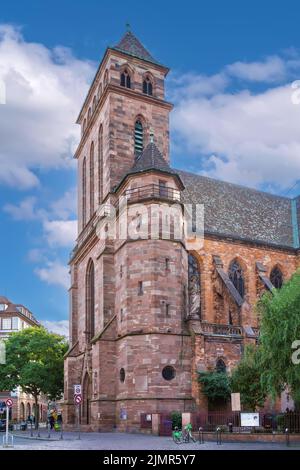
(152, 191)
(221, 330)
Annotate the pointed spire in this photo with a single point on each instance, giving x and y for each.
(129, 44)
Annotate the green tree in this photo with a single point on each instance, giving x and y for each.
(280, 328)
(34, 362)
(215, 385)
(246, 379)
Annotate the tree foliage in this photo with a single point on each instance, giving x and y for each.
(215, 385)
(279, 329)
(34, 362)
(246, 379)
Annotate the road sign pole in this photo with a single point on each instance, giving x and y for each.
(78, 417)
(7, 427)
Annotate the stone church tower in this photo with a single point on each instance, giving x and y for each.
(148, 311)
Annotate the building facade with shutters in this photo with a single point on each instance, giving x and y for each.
(14, 318)
(152, 304)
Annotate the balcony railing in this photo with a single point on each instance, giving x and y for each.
(152, 191)
(216, 329)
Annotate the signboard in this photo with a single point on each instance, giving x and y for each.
(77, 389)
(236, 402)
(249, 419)
(9, 402)
(77, 399)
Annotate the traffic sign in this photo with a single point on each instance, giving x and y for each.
(77, 389)
(77, 399)
(9, 402)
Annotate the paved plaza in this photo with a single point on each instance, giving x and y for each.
(122, 441)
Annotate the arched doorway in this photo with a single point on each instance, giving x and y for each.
(86, 403)
(28, 410)
(22, 411)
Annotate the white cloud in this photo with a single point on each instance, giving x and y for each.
(59, 327)
(54, 273)
(243, 137)
(273, 69)
(60, 232)
(23, 211)
(66, 206)
(36, 255)
(44, 92)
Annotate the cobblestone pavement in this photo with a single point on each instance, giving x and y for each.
(121, 441)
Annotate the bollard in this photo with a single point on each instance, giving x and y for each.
(61, 431)
(201, 436)
(31, 432)
(287, 437)
(219, 438)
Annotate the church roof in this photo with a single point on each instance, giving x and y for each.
(150, 159)
(243, 213)
(129, 44)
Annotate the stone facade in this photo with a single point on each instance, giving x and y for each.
(136, 342)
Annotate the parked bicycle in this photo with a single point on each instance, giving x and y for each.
(183, 436)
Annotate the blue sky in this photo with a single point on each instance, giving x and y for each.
(232, 65)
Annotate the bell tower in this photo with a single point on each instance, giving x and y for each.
(125, 101)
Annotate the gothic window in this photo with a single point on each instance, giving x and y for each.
(122, 375)
(125, 79)
(94, 103)
(90, 300)
(84, 192)
(276, 277)
(100, 164)
(147, 86)
(89, 114)
(138, 137)
(194, 286)
(92, 205)
(236, 277)
(106, 78)
(220, 366)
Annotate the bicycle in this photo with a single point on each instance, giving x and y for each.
(185, 436)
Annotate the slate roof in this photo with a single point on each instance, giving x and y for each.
(151, 159)
(243, 213)
(129, 44)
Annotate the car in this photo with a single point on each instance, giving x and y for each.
(2, 425)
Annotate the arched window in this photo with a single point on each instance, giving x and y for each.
(147, 86)
(100, 165)
(84, 192)
(94, 103)
(236, 277)
(138, 137)
(89, 115)
(90, 300)
(92, 176)
(125, 79)
(220, 366)
(276, 277)
(105, 78)
(99, 91)
(194, 286)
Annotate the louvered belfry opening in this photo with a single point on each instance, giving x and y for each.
(138, 138)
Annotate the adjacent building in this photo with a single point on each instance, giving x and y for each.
(14, 318)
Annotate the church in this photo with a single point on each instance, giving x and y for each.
(152, 308)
